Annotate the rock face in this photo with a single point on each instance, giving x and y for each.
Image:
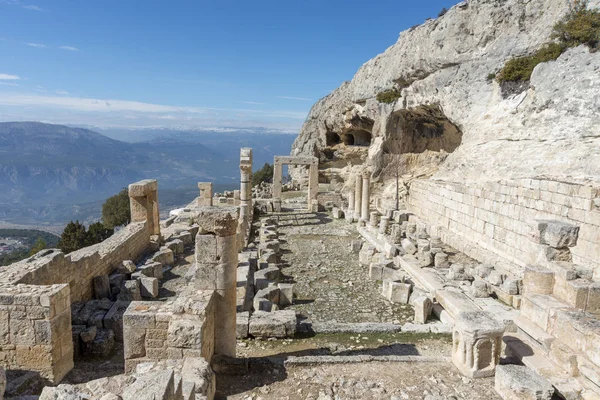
(448, 105)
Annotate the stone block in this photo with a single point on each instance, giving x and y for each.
(126, 267)
(277, 324)
(479, 289)
(89, 334)
(286, 294)
(425, 258)
(423, 307)
(198, 371)
(399, 292)
(102, 346)
(337, 213)
(440, 260)
(176, 246)
(270, 293)
(538, 280)
(130, 291)
(114, 319)
(148, 287)
(158, 385)
(101, 286)
(164, 256)
(511, 285)
(375, 272)
(355, 246)
(409, 246)
(458, 272)
(517, 382)
(558, 234)
(495, 278)
(185, 333)
(483, 270)
(242, 321)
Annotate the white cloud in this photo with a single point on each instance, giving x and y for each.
(293, 98)
(62, 92)
(9, 77)
(254, 103)
(9, 84)
(70, 48)
(32, 7)
(36, 45)
(111, 112)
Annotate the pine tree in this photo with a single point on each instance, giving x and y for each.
(74, 237)
(116, 210)
(97, 233)
(40, 244)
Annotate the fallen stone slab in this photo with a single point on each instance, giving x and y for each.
(316, 360)
(126, 267)
(102, 346)
(558, 234)
(156, 385)
(279, 324)
(164, 256)
(415, 328)
(517, 382)
(361, 327)
(101, 286)
(130, 291)
(176, 246)
(114, 319)
(148, 287)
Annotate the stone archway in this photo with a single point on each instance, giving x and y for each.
(313, 176)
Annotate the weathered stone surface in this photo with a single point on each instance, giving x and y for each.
(458, 272)
(130, 291)
(399, 292)
(408, 246)
(114, 319)
(517, 382)
(176, 246)
(2, 382)
(126, 267)
(148, 287)
(101, 287)
(164, 256)
(423, 307)
(241, 326)
(102, 346)
(558, 234)
(278, 324)
(441, 260)
(199, 372)
(185, 333)
(88, 334)
(479, 289)
(286, 293)
(154, 385)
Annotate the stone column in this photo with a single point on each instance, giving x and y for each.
(216, 261)
(246, 179)
(477, 343)
(357, 198)
(277, 176)
(366, 181)
(206, 194)
(143, 201)
(350, 210)
(383, 224)
(313, 181)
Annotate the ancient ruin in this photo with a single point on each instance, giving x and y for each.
(442, 245)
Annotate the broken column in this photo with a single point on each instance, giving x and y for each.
(364, 214)
(143, 201)
(313, 181)
(206, 193)
(277, 176)
(357, 198)
(216, 262)
(246, 179)
(477, 343)
(350, 210)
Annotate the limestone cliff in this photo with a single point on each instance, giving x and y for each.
(451, 120)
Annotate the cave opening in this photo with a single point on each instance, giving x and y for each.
(332, 138)
(357, 137)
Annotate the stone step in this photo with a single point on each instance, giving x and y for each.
(425, 278)
(542, 338)
(539, 308)
(454, 302)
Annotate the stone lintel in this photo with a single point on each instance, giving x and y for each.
(143, 188)
(299, 160)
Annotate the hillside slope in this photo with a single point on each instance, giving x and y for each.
(550, 129)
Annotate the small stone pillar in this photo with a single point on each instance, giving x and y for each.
(143, 201)
(477, 343)
(374, 219)
(313, 179)
(383, 224)
(217, 260)
(2, 382)
(206, 194)
(236, 198)
(396, 233)
(277, 176)
(350, 210)
(366, 182)
(357, 198)
(246, 179)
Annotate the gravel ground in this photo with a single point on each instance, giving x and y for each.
(330, 285)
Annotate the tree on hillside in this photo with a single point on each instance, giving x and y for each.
(40, 244)
(265, 174)
(116, 211)
(74, 237)
(97, 233)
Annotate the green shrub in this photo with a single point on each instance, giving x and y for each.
(265, 174)
(580, 26)
(116, 210)
(520, 68)
(389, 96)
(491, 76)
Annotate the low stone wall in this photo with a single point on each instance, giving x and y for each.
(35, 330)
(36, 295)
(496, 222)
(78, 268)
(154, 331)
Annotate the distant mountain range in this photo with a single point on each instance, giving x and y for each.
(53, 173)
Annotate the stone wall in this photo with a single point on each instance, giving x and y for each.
(496, 222)
(35, 330)
(154, 331)
(78, 268)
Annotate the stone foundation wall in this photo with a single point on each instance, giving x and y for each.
(78, 268)
(154, 331)
(495, 222)
(35, 330)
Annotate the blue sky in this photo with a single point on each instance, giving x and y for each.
(174, 63)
